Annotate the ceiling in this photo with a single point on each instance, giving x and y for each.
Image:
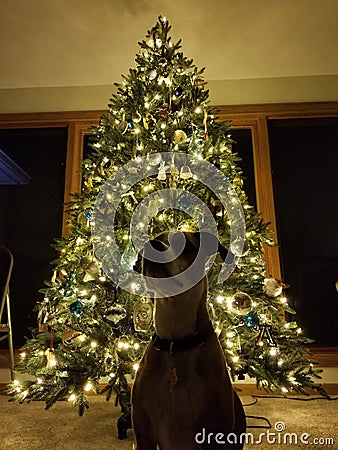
(48, 43)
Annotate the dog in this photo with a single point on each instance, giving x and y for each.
(182, 397)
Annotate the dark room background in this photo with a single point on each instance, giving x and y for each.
(31, 217)
(304, 157)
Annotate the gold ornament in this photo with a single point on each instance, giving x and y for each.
(143, 314)
(185, 173)
(180, 137)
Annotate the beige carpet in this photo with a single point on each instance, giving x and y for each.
(30, 427)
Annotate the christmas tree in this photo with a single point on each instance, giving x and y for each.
(160, 160)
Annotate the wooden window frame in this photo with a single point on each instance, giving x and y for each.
(253, 117)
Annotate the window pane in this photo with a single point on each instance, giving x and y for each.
(31, 216)
(304, 163)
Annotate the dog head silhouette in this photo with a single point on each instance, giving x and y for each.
(175, 261)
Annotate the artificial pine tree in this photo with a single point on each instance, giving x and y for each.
(91, 330)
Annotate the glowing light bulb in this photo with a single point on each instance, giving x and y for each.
(220, 299)
(218, 329)
(93, 344)
(88, 386)
(229, 302)
(235, 359)
(136, 367)
(134, 286)
(72, 398)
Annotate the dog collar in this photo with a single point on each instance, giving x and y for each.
(178, 345)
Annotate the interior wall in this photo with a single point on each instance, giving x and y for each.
(222, 92)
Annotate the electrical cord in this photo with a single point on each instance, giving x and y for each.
(268, 423)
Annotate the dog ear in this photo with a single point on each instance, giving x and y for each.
(211, 242)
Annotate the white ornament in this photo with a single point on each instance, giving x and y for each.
(272, 287)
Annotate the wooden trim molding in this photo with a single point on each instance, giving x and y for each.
(263, 182)
(280, 110)
(49, 119)
(73, 178)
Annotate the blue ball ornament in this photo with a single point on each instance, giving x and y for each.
(76, 308)
(252, 320)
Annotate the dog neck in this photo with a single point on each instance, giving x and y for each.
(182, 315)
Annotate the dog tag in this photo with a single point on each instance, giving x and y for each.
(143, 314)
(173, 379)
